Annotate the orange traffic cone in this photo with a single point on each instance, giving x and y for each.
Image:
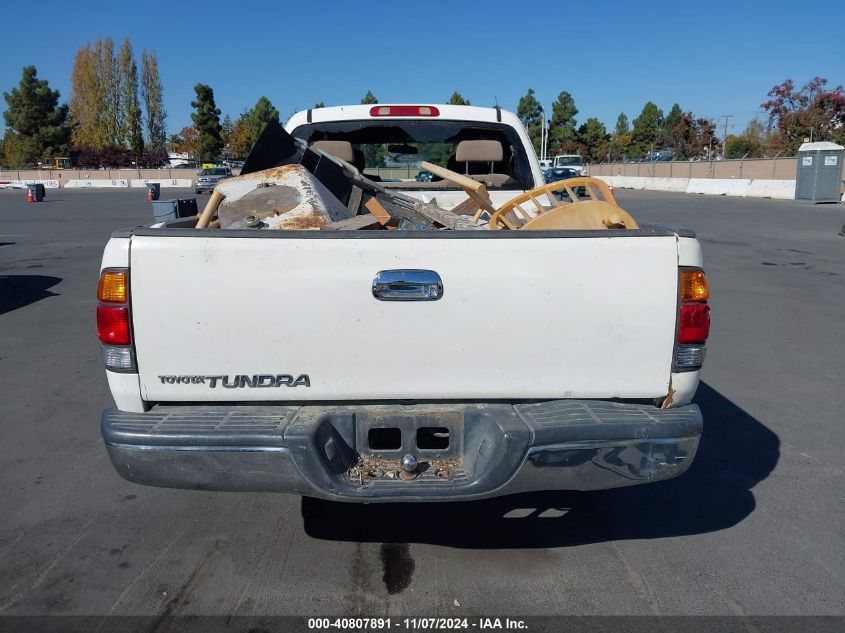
(29, 197)
(149, 194)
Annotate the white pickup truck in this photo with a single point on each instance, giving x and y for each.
(247, 360)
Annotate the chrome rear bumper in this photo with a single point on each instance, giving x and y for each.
(493, 449)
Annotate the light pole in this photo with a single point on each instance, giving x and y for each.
(543, 133)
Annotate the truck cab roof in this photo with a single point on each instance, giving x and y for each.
(438, 111)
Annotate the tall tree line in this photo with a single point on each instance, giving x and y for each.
(686, 135)
(106, 98)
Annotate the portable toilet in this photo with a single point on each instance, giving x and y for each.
(819, 174)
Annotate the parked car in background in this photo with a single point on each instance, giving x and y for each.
(660, 155)
(210, 176)
(563, 173)
(181, 164)
(424, 176)
(573, 161)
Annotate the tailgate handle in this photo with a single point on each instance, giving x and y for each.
(407, 285)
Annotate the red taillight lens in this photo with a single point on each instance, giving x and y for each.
(113, 325)
(694, 323)
(404, 110)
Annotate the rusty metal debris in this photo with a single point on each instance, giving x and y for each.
(371, 468)
(287, 197)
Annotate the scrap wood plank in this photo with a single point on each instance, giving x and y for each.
(380, 213)
(400, 212)
(446, 218)
(357, 222)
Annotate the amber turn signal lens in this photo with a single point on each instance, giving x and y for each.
(693, 286)
(112, 287)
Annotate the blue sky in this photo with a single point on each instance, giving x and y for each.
(713, 58)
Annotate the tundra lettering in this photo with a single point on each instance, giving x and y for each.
(240, 381)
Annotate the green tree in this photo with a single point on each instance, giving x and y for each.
(741, 146)
(620, 140)
(226, 127)
(259, 117)
(132, 132)
(530, 113)
(673, 118)
(36, 120)
(374, 155)
(621, 124)
(108, 81)
(593, 135)
(646, 132)
(319, 104)
(669, 123)
(152, 92)
(173, 141)
(207, 124)
(562, 132)
(457, 99)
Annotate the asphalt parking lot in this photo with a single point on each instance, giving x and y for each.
(756, 526)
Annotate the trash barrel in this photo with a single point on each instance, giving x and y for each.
(37, 192)
(186, 207)
(154, 189)
(164, 210)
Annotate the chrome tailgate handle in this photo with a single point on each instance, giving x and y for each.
(407, 285)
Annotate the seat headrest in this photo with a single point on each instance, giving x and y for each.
(479, 151)
(340, 149)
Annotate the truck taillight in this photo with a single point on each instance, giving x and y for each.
(693, 320)
(112, 286)
(694, 323)
(114, 327)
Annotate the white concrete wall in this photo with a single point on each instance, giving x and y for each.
(174, 182)
(87, 183)
(21, 184)
(743, 187)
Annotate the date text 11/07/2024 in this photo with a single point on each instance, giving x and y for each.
(383, 624)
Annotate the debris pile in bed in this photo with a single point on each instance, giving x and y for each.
(287, 185)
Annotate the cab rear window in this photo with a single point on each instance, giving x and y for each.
(392, 150)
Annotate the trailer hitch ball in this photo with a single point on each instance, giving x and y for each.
(409, 467)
